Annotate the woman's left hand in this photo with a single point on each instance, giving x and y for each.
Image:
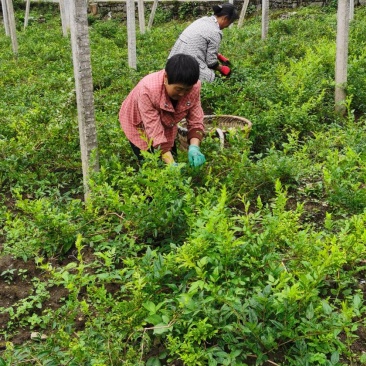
(195, 157)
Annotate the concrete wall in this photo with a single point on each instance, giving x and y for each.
(204, 7)
(193, 7)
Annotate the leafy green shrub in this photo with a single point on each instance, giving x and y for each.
(107, 29)
(357, 64)
(45, 228)
(154, 202)
(163, 15)
(344, 178)
(188, 10)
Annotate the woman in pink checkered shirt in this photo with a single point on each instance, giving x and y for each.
(150, 113)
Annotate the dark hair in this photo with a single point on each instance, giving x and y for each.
(182, 69)
(227, 10)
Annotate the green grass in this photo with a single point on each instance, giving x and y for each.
(256, 257)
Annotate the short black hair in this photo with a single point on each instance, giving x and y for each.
(182, 69)
(226, 10)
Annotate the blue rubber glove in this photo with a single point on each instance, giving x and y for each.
(195, 157)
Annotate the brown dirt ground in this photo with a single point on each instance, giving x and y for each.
(20, 287)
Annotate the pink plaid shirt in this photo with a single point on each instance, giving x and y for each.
(148, 117)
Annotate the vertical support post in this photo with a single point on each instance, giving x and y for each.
(231, 2)
(131, 33)
(26, 17)
(341, 56)
(5, 17)
(12, 28)
(141, 11)
(67, 7)
(351, 9)
(242, 13)
(265, 18)
(63, 16)
(84, 88)
(152, 14)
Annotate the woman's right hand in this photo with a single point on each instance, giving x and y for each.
(168, 158)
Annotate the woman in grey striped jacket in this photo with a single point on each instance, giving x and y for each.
(202, 39)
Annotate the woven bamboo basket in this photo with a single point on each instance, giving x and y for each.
(219, 125)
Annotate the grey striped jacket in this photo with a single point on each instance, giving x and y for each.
(201, 39)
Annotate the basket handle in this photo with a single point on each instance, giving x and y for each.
(221, 137)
